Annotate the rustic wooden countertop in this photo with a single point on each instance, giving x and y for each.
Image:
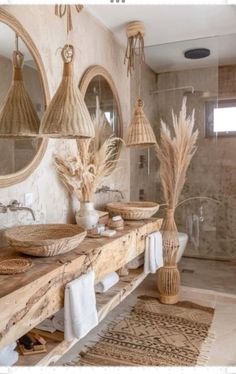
(27, 299)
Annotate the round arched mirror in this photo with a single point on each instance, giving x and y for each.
(20, 156)
(100, 95)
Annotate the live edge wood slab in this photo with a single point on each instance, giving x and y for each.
(27, 299)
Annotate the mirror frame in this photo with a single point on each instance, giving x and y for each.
(88, 75)
(15, 25)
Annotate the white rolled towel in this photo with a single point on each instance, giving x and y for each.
(8, 355)
(107, 282)
(136, 262)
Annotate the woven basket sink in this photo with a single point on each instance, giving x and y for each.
(133, 210)
(45, 240)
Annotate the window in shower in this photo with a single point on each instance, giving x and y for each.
(220, 118)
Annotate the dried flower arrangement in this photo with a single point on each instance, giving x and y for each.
(174, 154)
(83, 173)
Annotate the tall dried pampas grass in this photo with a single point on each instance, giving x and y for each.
(82, 174)
(174, 154)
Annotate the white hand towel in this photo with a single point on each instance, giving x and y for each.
(153, 258)
(107, 282)
(80, 307)
(58, 320)
(8, 356)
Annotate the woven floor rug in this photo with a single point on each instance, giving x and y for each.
(154, 334)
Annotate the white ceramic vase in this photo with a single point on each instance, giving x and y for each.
(87, 216)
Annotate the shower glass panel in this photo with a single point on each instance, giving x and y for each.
(208, 209)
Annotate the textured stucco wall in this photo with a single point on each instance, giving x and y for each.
(94, 44)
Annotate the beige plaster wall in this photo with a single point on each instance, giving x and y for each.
(94, 44)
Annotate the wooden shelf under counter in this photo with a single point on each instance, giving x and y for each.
(27, 299)
(105, 303)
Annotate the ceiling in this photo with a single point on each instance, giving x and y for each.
(172, 29)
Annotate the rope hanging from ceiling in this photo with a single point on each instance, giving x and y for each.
(61, 10)
(135, 45)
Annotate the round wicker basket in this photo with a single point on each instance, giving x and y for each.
(45, 240)
(134, 210)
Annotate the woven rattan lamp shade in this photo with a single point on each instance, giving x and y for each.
(18, 118)
(140, 132)
(67, 115)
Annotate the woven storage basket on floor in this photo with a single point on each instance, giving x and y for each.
(67, 115)
(168, 278)
(140, 132)
(15, 265)
(45, 240)
(168, 282)
(17, 114)
(134, 210)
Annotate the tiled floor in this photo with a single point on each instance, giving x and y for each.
(223, 351)
(212, 275)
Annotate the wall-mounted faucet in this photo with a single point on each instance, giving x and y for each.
(3, 208)
(14, 206)
(105, 189)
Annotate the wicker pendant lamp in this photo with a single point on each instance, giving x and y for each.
(18, 117)
(140, 132)
(67, 115)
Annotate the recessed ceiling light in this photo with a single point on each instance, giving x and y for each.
(197, 53)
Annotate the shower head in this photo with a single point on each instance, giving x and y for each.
(198, 94)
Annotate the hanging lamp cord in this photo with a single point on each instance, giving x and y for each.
(62, 10)
(17, 42)
(140, 61)
(18, 57)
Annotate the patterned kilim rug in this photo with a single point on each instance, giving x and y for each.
(154, 334)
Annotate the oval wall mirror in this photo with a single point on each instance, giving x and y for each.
(20, 155)
(100, 93)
